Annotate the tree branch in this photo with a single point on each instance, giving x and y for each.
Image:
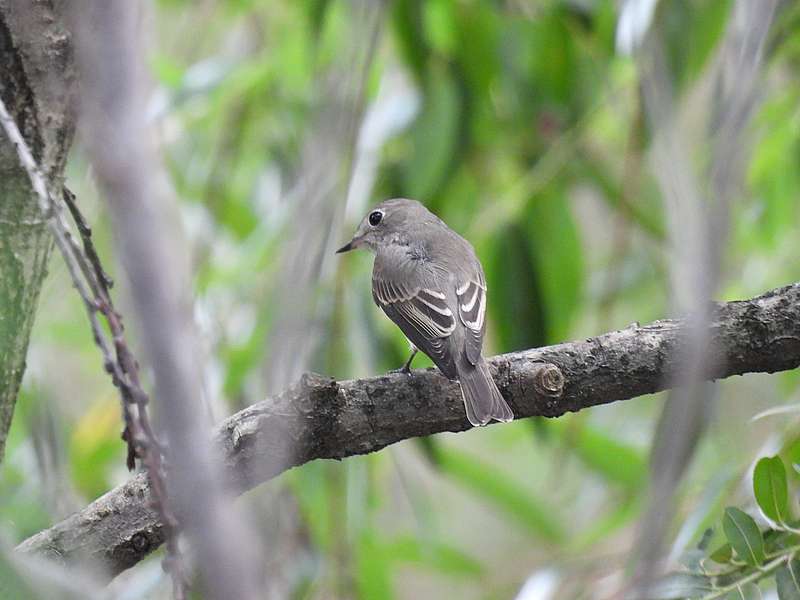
(330, 419)
(37, 87)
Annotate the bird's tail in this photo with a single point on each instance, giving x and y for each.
(482, 399)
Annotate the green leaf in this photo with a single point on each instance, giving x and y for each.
(477, 28)
(679, 585)
(437, 16)
(692, 30)
(554, 57)
(435, 136)
(557, 253)
(708, 24)
(607, 456)
(771, 491)
(373, 570)
(506, 494)
(94, 447)
(240, 360)
(516, 289)
(407, 20)
(747, 591)
(316, 12)
(700, 520)
(788, 582)
(744, 535)
(624, 512)
(770, 172)
(168, 72)
(436, 555)
(722, 555)
(12, 584)
(314, 501)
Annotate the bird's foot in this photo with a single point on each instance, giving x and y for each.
(405, 370)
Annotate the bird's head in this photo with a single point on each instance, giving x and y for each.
(390, 222)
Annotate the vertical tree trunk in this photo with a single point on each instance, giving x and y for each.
(36, 84)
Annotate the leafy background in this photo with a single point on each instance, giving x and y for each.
(519, 124)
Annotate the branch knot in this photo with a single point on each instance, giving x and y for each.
(548, 380)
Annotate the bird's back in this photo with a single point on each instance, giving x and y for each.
(435, 258)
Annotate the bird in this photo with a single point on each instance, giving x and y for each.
(429, 282)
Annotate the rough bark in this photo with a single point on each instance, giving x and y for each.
(329, 419)
(36, 84)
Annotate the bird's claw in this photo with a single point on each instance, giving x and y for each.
(404, 370)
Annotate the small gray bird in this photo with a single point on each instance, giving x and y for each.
(427, 279)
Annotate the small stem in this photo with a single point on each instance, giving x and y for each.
(759, 573)
(788, 528)
(783, 551)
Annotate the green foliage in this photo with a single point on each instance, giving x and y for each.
(744, 536)
(12, 584)
(723, 554)
(769, 485)
(752, 555)
(747, 591)
(559, 261)
(788, 581)
(511, 261)
(373, 570)
(617, 462)
(434, 137)
(693, 30)
(503, 492)
(435, 555)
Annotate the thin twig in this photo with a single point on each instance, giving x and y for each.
(756, 575)
(86, 236)
(93, 285)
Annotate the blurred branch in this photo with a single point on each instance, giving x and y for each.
(698, 229)
(92, 284)
(318, 201)
(330, 419)
(109, 53)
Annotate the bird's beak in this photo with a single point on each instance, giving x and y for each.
(347, 247)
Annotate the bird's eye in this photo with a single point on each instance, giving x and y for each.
(375, 217)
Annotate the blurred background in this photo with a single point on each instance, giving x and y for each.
(522, 123)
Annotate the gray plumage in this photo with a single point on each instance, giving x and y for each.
(428, 280)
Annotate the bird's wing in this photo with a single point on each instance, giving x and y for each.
(471, 296)
(421, 313)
